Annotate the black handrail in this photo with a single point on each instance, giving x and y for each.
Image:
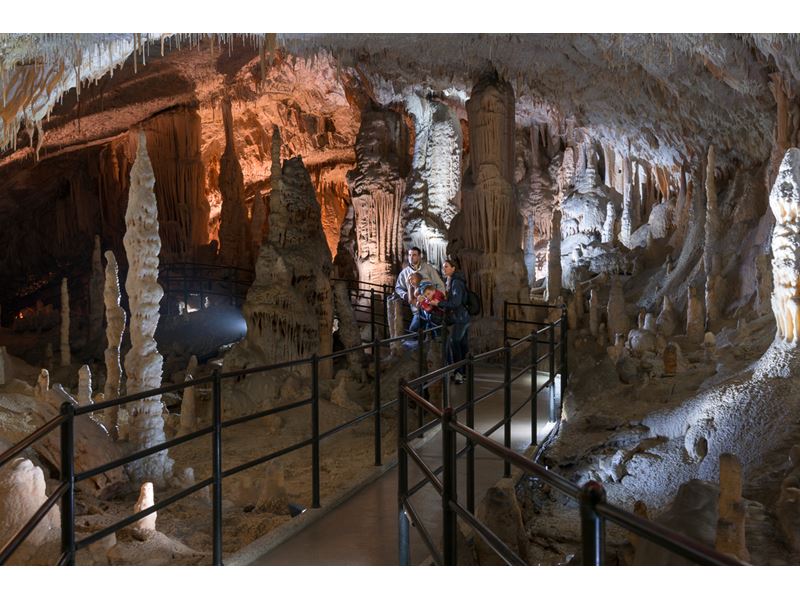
(594, 508)
(66, 490)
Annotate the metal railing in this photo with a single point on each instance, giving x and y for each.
(65, 492)
(594, 510)
(187, 281)
(369, 301)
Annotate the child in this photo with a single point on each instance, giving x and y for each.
(414, 281)
(428, 294)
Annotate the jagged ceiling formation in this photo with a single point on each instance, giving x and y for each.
(662, 97)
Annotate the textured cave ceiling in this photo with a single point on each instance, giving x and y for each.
(662, 97)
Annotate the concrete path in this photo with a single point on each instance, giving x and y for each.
(363, 530)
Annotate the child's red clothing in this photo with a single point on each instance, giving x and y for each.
(426, 305)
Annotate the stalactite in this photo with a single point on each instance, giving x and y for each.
(143, 363)
(66, 357)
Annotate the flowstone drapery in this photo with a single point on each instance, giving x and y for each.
(143, 363)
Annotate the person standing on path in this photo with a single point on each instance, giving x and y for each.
(416, 264)
(457, 315)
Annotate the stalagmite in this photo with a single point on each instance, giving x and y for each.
(234, 230)
(96, 292)
(84, 386)
(594, 313)
(143, 363)
(188, 413)
(695, 321)
(289, 306)
(3, 362)
(257, 223)
(115, 327)
(554, 259)
(377, 188)
(784, 200)
(490, 226)
(191, 367)
(711, 254)
(607, 236)
(22, 492)
(348, 326)
(627, 221)
(42, 385)
(667, 321)
(146, 526)
(618, 322)
(66, 357)
(731, 522)
(394, 310)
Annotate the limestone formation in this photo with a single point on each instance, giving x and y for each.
(554, 259)
(784, 200)
(191, 367)
(143, 363)
(490, 224)
(188, 420)
(348, 326)
(731, 522)
(432, 190)
(115, 327)
(22, 492)
(42, 386)
(84, 386)
(289, 307)
(500, 512)
(66, 357)
(234, 229)
(3, 362)
(377, 186)
(594, 313)
(788, 505)
(257, 223)
(609, 225)
(627, 220)
(394, 311)
(618, 322)
(695, 318)
(96, 292)
(146, 526)
(711, 254)
(667, 320)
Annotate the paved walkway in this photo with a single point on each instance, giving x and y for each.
(363, 530)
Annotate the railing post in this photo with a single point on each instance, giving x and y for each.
(376, 354)
(315, 431)
(534, 385)
(507, 405)
(420, 371)
(402, 478)
(449, 488)
(68, 477)
(471, 425)
(564, 348)
(551, 344)
(216, 466)
(372, 314)
(505, 320)
(593, 531)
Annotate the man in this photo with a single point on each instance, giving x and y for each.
(426, 271)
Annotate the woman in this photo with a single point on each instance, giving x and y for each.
(458, 315)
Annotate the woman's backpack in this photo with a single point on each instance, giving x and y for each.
(472, 302)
